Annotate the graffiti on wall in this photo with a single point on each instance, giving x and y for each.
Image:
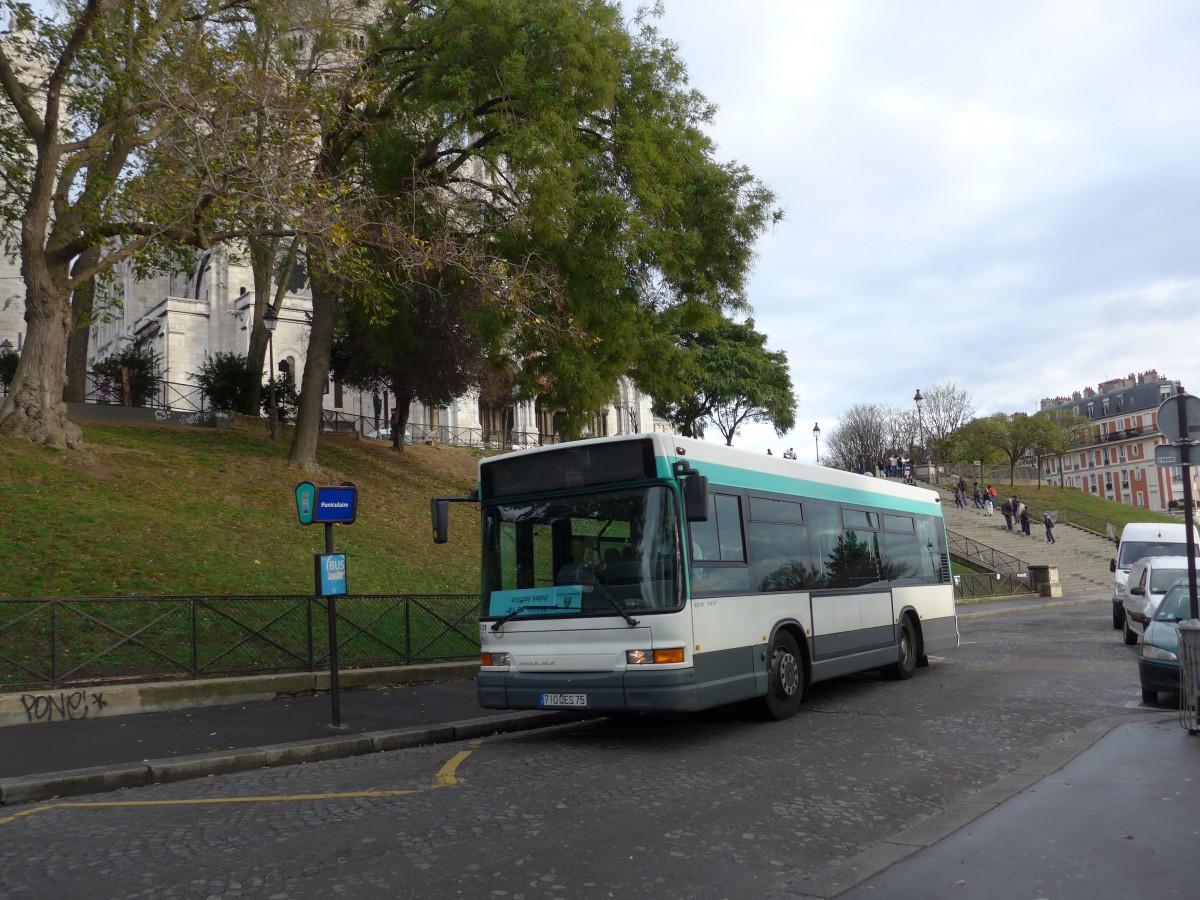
(65, 706)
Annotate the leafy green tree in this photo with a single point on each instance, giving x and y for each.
(1063, 432)
(717, 370)
(555, 159)
(431, 348)
(1009, 436)
(83, 97)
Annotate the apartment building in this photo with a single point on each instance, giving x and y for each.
(1117, 463)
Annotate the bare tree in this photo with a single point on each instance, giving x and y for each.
(860, 438)
(946, 409)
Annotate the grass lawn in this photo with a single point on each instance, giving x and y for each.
(168, 510)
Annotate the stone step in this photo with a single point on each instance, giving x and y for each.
(1082, 557)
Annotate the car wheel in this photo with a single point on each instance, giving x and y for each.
(1149, 696)
(1130, 635)
(906, 644)
(1118, 617)
(785, 678)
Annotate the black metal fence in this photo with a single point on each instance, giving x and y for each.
(980, 585)
(52, 642)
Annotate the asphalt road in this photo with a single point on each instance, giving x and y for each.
(718, 805)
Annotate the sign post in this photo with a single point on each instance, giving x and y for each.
(1179, 420)
(329, 506)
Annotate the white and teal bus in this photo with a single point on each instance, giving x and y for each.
(653, 573)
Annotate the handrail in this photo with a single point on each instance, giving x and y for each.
(996, 560)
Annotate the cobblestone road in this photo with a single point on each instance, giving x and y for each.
(709, 806)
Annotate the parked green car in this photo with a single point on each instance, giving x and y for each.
(1158, 668)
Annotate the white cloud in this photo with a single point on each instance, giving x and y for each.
(999, 195)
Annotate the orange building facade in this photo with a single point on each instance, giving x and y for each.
(1118, 462)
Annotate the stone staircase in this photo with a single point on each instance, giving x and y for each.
(1081, 556)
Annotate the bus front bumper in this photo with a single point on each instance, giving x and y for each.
(673, 690)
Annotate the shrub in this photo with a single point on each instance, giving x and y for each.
(285, 396)
(145, 380)
(226, 380)
(8, 367)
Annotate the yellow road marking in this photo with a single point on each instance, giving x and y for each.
(445, 777)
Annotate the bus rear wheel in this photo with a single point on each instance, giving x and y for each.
(906, 646)
(785, 678)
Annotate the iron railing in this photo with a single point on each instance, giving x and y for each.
(993, 559)
(977, 585)
(82, 640)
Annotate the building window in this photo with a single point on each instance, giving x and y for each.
(1141, 499)
(1091, 409)
(1121, 402)
(1104, 406)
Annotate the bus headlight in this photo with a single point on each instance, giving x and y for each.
(496, 659)
(645, 657)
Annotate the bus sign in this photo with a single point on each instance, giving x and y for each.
(336, 505)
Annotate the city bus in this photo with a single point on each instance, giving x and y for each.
(651, 572)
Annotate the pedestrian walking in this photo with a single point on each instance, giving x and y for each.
(988, 506)
(978, 497)
(1025, 519)
(1007, 511)
(1049, 523)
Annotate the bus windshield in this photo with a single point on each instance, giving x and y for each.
(585, 554)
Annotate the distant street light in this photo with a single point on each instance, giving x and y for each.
(817, 440)
(917, 398)
(5, 345)
(270, 320)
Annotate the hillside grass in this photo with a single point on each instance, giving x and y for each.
(1047, 497)
(169, 510)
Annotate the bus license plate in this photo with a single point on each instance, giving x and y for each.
(564, 700)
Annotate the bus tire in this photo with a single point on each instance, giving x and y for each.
(906, 646)
(785, 677)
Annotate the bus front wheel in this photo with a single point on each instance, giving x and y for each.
(785, 678)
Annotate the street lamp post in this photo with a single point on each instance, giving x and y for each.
(917, 398)
(270, 320)
(817, 440)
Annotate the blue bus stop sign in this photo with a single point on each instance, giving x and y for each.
(336, 505)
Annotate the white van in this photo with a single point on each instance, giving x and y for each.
(1149, 580)
(1139, 540)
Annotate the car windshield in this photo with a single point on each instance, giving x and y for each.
(1176, 605)
(586, 554)
(1162, 579)
(1132, 551)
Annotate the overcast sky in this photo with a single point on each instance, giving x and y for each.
(1005, 196)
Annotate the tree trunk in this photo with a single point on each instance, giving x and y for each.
(82, 304)
(400, 414)
(316, 369)
(34, 410)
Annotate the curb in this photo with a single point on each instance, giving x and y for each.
(105, 701)
(51, 785)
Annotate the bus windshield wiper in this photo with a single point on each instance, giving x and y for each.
(516, 612)
(633, 623)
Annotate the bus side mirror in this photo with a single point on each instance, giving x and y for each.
(695, 498)
(1112, 565)
(439, 509)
